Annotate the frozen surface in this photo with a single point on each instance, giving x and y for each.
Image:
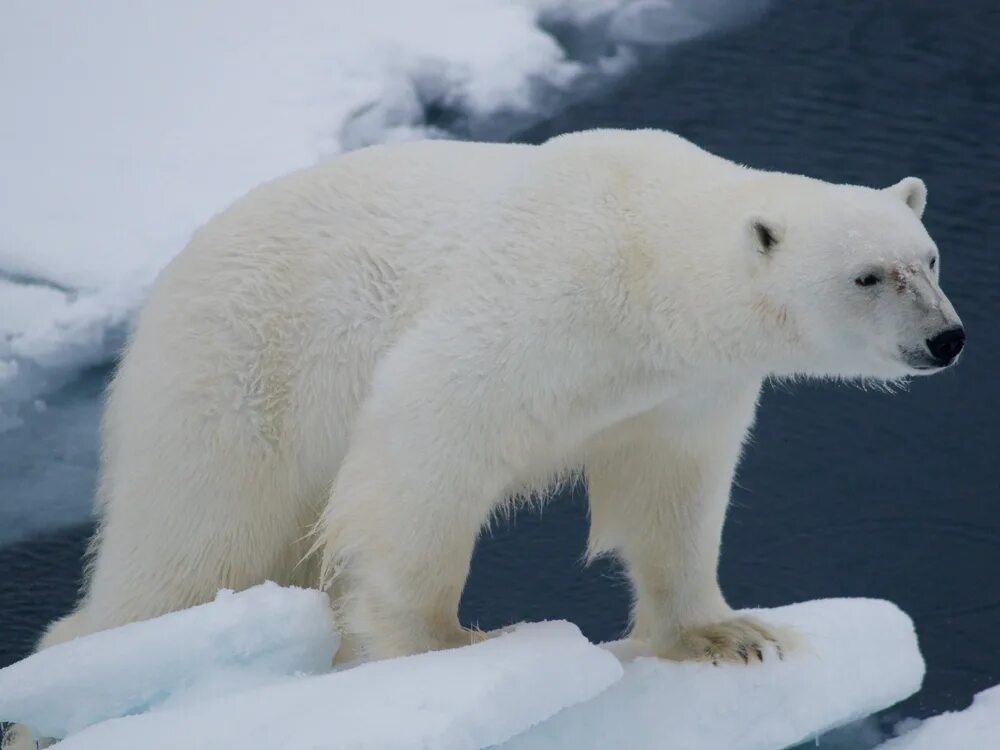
(127, 128)
(462, 699)
(236, 642)
(975, 728)
(227, 676)
(858, 656)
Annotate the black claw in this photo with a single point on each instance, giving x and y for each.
(742, 651)
(760, 654)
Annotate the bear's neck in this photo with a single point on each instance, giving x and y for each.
(690, 288)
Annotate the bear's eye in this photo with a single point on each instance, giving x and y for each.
(869, 279)
(933, 263)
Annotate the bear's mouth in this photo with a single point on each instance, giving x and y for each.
(918, 361)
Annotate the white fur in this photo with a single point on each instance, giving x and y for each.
(387, 346)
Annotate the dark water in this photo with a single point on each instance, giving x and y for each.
(842, 492)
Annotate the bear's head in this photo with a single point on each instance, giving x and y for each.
(854, 277)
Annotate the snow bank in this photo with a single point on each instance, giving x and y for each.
(858, 656)
(128, 126)
(236, 642)
(463, 699)
(975, 728)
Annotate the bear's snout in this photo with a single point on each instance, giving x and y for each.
(947, 345)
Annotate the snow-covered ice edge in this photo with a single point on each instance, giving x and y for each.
(975, 728)
(131, 124)
(238, 641)
(208, 675)
(222, 675)
(856, 657)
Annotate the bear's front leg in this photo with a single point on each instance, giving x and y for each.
(659, 486)
(418, 482)
(398, 537)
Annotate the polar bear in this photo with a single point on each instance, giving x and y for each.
(347, 372)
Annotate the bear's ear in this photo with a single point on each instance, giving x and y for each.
(913, 192)
(767, 232)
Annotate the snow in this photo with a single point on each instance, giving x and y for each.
(463, 699)
(975, 728)
(857, 656)
(226, 676)
(234, 643)
(128, 127)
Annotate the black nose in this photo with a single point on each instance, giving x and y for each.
(946, 345)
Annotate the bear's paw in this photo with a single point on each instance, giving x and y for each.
(742, 640)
